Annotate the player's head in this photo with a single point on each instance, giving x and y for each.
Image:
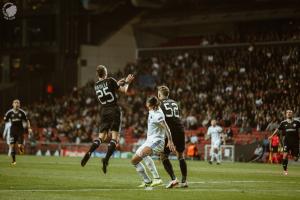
(152, 103)
(289, 114)
(213, 122)
(101, 71)
(16, 104)
(163, 92)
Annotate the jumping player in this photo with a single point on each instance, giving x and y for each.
(110, 113)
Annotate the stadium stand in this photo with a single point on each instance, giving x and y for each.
(208, 84)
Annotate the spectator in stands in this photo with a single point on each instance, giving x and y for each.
(229, 136)
(257, 154)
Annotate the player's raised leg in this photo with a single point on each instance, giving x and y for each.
(96, 143)
(110, 150)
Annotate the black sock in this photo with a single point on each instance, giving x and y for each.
(13, 154)
(95, 145)
(169, 168)
(285, 164)
(111, 149)
(183, 169)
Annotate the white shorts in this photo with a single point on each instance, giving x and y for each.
(216, 144)
(157, 146)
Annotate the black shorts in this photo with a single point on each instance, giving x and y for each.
(16, 135)
(291, 146)
(178, 139)
(274, 149)
(110, 119)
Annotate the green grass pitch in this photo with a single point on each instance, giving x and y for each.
(49, 178)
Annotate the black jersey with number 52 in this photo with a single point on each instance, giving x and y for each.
(106, 90)
(172, 113)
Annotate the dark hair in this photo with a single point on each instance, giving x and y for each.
(164, 90)
(101, 71)
(153, 101)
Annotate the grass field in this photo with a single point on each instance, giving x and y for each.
(63, 178)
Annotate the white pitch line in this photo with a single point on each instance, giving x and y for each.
(135, 189)
(228, 182)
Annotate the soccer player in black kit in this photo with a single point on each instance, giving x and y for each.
(290, 138)
(172, 115)
(110, 113)
(16, 116)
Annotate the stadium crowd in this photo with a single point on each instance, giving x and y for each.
(248, 88)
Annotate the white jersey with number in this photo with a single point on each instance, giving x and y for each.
(214, 133)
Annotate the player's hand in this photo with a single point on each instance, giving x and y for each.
(121, 82)
(171, 146)
(129, 78)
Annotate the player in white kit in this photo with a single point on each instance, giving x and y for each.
(6, 134)
(214, 132)
(156, 133)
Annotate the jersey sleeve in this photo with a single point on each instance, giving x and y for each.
(281, 126)
(298, 123)
(208, 131)
(114, 84)
(7, 116)
(24, 116)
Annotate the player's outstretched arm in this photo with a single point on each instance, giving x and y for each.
(124, 83)
(169, 136)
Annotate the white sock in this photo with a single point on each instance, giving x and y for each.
(212, 155)
(151, 166)
(140, 168)
(9, 151)
(218, 156)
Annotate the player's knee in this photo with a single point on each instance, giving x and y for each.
(135, 160)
